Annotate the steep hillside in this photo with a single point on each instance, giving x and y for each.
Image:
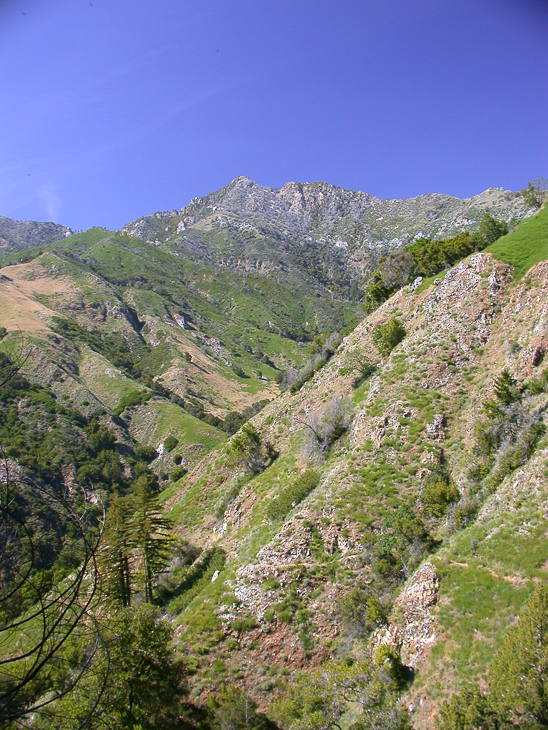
(19, 235)
(405, 506)
(355, 553)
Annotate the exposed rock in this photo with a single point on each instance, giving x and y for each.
(412, 626)
(435, 429)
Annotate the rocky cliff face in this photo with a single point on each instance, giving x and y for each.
(19, 235)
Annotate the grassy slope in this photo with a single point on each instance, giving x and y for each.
(526, 246)
(100, 280)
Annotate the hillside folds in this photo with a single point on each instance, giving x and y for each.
(449, 577)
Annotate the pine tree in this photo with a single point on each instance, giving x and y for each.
(151, 535)
(519, 673)
(116, 556)
(506, 388)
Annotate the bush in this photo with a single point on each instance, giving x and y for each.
(293, 494)
(323, 432)
(131, 399)
(146, 453)
(177, 473)
(387, 336)
(438, 494)
(170, 443)
(357, 362)
(321, 349)
(490, 230)
(248, 450)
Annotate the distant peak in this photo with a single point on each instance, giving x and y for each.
(243, 180)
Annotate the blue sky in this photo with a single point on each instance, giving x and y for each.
(112, 109)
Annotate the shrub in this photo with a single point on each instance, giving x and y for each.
(490, 230)
(387, 336)
(321, 349)
(170, 443)
(248, 450)
(177, 473)
(293, 494)
(244, 624)
(323, 432)
(357, 362)
(438, 494)
(146, 453)
(132, 399)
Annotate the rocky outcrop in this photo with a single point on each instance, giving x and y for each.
(412, 625)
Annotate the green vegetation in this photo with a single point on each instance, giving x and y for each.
(249, 450)
(320, 699)
(293, 494)
(387, 336)
(534, 193)
(426, 258)
(526, 246)
(517, 679)
(146, 684)
(271, 611)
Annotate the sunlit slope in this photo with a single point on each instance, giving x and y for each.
(526, 246)
(295, 551)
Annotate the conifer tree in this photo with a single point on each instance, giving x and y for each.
(506, 388)
(116, 556)
(519, 673)
(151, 535)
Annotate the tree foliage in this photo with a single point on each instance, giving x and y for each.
(387, 336)
(517, 679)
(490, 230)
(248, 449)
(146, 683)
(319, 699)
(535, 192)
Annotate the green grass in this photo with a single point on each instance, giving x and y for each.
(189, 430)
(526, 246)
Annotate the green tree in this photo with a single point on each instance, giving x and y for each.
(518, 677)
(387, 336)
(506, 388)
(534, 193)
(151, 535)
(145, 685)
(490, 230)
(357, 362)
(248, 449)
(438, 493)
(116, 554)
(467, 710)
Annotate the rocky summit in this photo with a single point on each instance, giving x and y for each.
(352, 228)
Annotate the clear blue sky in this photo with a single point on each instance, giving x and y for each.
(112, 109)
